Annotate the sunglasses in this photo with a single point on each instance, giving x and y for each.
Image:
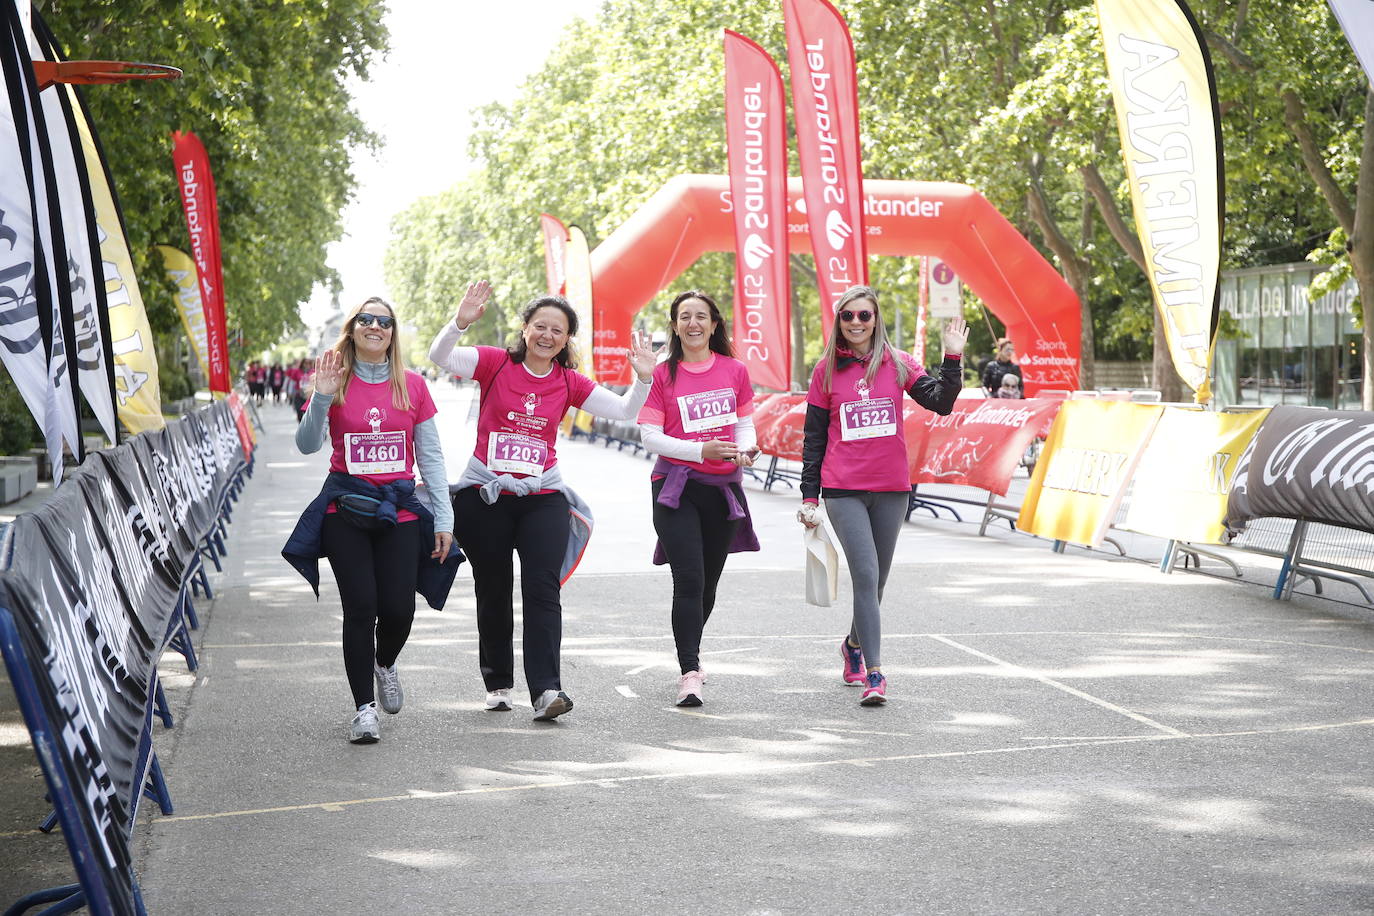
(367, 318)
(847, 315)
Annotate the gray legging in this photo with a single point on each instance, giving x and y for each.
(867, 526)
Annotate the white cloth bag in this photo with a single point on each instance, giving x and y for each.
(822, 567)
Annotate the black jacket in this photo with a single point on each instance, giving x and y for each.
(933, 392)
(305, 547)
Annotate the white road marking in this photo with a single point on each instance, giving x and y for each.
(1072, 691)
(625, 691)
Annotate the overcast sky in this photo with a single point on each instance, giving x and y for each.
(445, 60)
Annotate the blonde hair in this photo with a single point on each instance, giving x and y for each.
(880, 350)
(400, 393)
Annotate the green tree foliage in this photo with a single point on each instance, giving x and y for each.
(266, 88)
(1009, 97)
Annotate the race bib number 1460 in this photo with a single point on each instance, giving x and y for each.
(375, 453)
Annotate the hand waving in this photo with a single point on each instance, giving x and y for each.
(641, 356)
(329, 372)
(955, 336)
(473, 304)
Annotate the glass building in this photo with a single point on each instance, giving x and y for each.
(1291, 350)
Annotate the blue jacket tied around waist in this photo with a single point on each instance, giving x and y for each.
(305, 547)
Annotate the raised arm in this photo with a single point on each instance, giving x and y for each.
(938, 392)
(444, 352)
(602, 402)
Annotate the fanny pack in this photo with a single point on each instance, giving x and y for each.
(359, 511)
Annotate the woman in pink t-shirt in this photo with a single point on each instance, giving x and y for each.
(698, 421)
(511, 498)
(854, 452)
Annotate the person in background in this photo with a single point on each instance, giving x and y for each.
(1010, 387)
(1004, 363)
(854, 453)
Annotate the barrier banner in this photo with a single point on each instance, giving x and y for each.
(768, 407)
(825, 101)
(134, 359)
(89, 329)
(31, 340)
(181, 270)
(1307, 463)
(241, 425)
(1357, 21)
(785, 428)
(555, 236)
(756, 147)
(197, 186)
(578, 278)
(1185, 473)
(1084, 468)
(92, 578)
(1166, 109)
(979, 444)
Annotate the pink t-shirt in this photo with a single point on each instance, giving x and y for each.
(865, 445)
(518, 422)
(704, 403)
(375, 440)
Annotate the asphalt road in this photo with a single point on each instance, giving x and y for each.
(1065, 734)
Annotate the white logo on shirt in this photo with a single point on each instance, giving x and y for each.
(375, 416)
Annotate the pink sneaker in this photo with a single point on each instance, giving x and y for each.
(853, 663)
(689, 689)
(875, 692)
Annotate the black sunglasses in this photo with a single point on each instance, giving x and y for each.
(366, 318)
(847, 315)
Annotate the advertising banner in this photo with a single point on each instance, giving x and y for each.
(181, 270)
(784, 427)
(1084, 468)
(92, 578)
(555, 236)
(825, 100)
(979, 444)
(134, 359)
(1307, 463)
(1185, 473)
(197, 186)
(578, 277)
(756, 140)
(1166, 110)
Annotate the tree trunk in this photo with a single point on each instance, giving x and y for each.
(1163, 375)
(798, 337)
(1295, 116)
(1075, 272)
(1362, 247)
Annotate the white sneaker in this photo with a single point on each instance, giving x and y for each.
(498, 700)
(689, 688)
(389, 690)
(551, 704)
(365, 728)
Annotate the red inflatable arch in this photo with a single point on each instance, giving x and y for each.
(691, 215)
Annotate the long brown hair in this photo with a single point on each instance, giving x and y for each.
(400, 394)
(879, 350)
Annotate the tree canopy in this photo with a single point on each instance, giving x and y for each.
(1010, 98)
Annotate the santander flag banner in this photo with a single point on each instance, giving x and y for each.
(555, 252)
(202, 223)
(1166, 112)
(825, 101)
(756, 139)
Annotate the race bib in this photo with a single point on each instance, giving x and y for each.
(375, 453)
(868, 419)
(707, 410)
(512, 453)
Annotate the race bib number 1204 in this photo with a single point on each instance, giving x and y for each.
(707, 410)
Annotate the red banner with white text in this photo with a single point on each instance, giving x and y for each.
(197, 187)
(756, 139)
(555, 252)
(978, 445)
(825, 101)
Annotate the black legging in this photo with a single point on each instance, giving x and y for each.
(696, 536)
(536, 527)
(375, 571)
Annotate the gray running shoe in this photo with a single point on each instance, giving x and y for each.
(365, 728)
(551, 704)
(498, 700)
(388, 688)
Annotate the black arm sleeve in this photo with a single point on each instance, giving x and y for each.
(937, 392)
(813, 450)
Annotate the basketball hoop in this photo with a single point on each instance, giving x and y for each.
(91, 72)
